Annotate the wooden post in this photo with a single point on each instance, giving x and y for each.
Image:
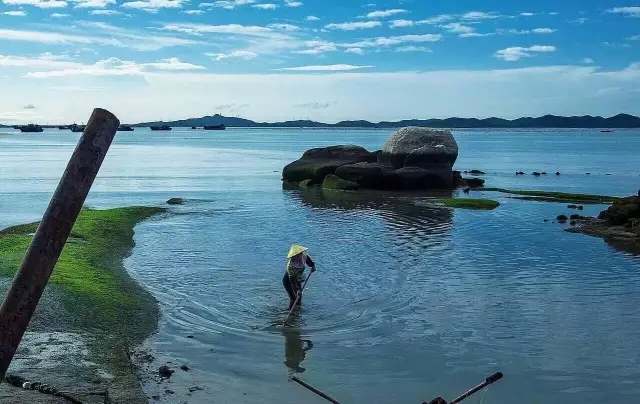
(53, 231)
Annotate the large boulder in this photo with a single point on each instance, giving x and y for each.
(420, 147)
(416, 178)
(315, 164)
(370, 175)
(334, 182)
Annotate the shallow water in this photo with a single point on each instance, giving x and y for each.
(410, 301)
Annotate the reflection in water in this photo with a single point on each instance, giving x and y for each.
(295, 349)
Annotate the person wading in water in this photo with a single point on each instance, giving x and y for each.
(292, 279)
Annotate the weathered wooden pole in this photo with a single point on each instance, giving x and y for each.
(51, 235)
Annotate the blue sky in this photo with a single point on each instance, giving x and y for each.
(325, 60)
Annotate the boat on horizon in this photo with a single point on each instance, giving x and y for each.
(64, 127)
(125, 128)
(160, 127)
(76, 128)
(31, 128)
(606, 130)
(215, 127)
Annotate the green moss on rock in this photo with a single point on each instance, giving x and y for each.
(334, 182)
(97, 290)
(553, 196)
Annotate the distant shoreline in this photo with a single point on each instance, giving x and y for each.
(620, 121)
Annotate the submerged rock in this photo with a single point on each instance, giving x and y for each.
(315, 164)
(165, 372)
(334, 182)
(562, 218)
(175, 201)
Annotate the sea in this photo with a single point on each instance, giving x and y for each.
(411, 300)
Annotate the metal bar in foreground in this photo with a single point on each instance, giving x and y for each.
(52, 232)
(318, 392)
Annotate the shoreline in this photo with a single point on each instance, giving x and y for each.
(90, 317)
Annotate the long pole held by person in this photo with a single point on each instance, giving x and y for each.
(299, 295)
(52, 232)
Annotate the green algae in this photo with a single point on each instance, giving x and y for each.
(96, 290)
(469, 203)
(554, 196)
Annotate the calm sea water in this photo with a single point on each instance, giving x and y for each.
(410, 301)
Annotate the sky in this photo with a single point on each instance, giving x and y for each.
(326, 60)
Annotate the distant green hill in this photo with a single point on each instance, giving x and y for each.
(546, 121)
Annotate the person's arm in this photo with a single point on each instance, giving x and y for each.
(310, 263)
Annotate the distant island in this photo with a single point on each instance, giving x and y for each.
(546, 121)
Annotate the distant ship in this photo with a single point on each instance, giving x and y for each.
(125, 128)
(76, 128)
(193, 127)
(63, 127)
(160, 127)
(606, 130)
(31, 128)
(215, 127)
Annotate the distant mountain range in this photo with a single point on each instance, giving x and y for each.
(546, 121)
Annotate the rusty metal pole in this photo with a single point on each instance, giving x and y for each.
(53, 231)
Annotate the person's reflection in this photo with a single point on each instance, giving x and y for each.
(295, 349)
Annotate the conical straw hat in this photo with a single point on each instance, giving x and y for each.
(295, 250)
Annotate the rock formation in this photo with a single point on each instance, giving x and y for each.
(413, 158)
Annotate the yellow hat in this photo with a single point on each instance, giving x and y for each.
(295, 250)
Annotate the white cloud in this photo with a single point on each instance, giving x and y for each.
(108, 12)
(627, 11)
(93, 3)
(116, 67)
(59, 15)
(117, 37)
(475, 34)
(37, 3)
(239, 54)
(458, 28)
(319, 68)
(317, 47)
(413, 48)
(17, 13)
(44, 61)
(543, 30)
(357, 51)
(152, 6)
(265, 6)
(635, 38)
(393, 40)
(437, 19)
(284, 27)
(233, 29)
(292, 3)
(553, 13)
(192, 12)
(385, 13)
(400, 23)
(227, 4)
(515, 53)
(588, 61)
(527, 14)
(351, 26)
(312, 18)
(526, 32)
(579, 21)
(479, 15)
